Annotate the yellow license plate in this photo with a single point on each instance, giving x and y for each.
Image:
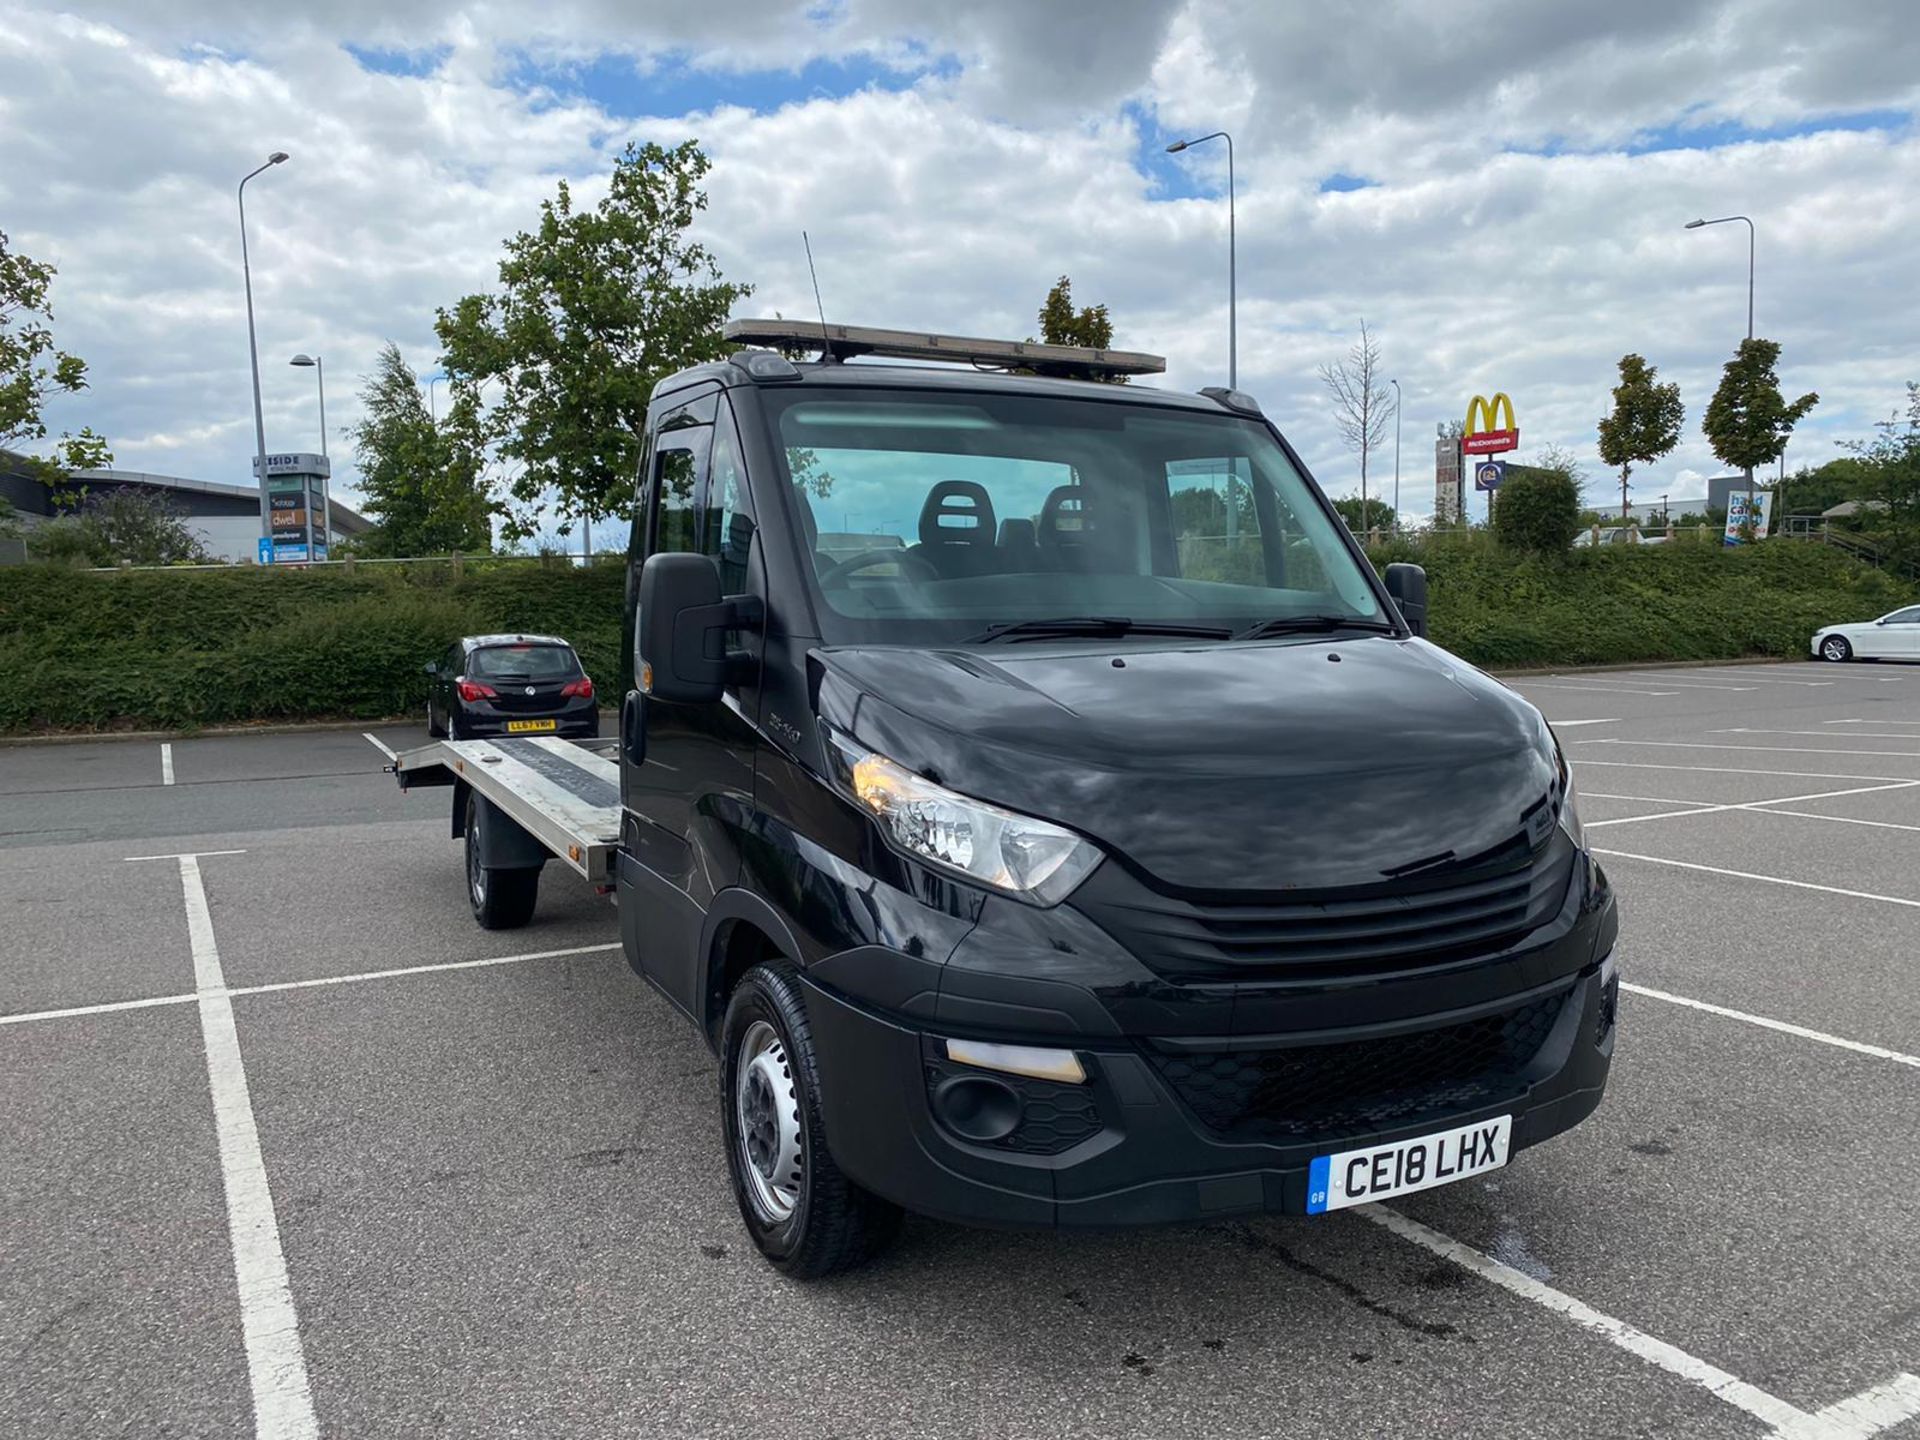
(521, 727)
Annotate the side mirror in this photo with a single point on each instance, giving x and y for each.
(682, 635)
(1407, 584)
(432, 667)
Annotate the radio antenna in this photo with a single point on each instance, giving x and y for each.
(826, 347)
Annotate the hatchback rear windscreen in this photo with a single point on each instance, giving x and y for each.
(524, 662)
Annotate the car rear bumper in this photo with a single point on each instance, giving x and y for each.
(1130, 1147)
(484, 722)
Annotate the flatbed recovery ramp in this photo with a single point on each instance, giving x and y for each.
(565, 794)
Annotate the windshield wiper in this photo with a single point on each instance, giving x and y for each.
(1313, 625)
(1097, 626)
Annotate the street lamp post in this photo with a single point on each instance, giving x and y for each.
(320, 374)
(432, 413)
(253, 348)
(1233, 323)
(1396, 453)
(1727, 220)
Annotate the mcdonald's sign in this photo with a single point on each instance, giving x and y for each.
(1488, 437)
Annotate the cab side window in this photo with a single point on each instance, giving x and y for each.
(726, 514)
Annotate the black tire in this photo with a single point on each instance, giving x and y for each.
(832, 1225)
(1836, 648)
(435, 730)
(501, 899)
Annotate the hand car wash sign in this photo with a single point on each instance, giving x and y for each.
(296, 508)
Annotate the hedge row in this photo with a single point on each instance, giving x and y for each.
(191, 648)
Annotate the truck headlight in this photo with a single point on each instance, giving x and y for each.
(1569, 802)
(1025, 857)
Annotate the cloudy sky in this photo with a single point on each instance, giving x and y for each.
(1497, 186)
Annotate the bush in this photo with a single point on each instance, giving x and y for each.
(1538, 510)
(86, 651)
(121, 525)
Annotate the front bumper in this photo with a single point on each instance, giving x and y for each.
(1131, 1147)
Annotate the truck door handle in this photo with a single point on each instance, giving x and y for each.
(633, 728)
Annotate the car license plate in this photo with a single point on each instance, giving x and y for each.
(1359, 1177)
(521, 727)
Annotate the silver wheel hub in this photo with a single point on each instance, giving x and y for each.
(767, 1121)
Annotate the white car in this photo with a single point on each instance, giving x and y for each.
(1891, 637)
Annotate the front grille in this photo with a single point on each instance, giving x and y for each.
(1312, 1091)
(1360, 931)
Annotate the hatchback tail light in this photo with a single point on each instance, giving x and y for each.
(474, 690)
(581, 689)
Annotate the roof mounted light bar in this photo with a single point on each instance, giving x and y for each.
(842, 342)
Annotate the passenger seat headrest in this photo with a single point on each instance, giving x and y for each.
(957, 512)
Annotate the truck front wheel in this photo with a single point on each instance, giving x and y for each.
(501, 899)
(807, 1218)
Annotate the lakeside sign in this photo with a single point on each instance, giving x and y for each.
(1491, 438)
(293, 488)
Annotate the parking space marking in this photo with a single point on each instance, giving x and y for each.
(1785, 1027)
(186, 855)
(1749, 679)
(1564, 724)
(1761, 807)
(1662, 680)
(269, 1325)
(1525, 685)
(1770, 879)
(166, 764)
(377, 743)
(1845, 819)
(1873, 722)
(1859, 1416)
(352, 978)
(1822, 734)
(1724, 769)
(1757, 749)
(1586, 794)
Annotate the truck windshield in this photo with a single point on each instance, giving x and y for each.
(935, 518)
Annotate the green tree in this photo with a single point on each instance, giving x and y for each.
(120, 526)
(33, 370)
(1090, 327)
(594, 307)
(1892, 464)
(1362, 516)
(421, 482)
(1645, 423)
(1538, 508)
(1748, 422)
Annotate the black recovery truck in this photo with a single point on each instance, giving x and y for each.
(1046, 813)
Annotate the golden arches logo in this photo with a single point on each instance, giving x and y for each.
(1489, 436)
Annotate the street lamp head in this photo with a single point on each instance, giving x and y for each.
(277, 157)
(301, 360)
(1176, 147)
(1694, 224)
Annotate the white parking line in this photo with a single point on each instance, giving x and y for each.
(377, 743)
(1845, 820)
(1822, 734)
(269, 1325)
(1761, 806)
(166, 764)
(1662, 680)
(1753, 749)
(1524, 685)
(1770, 879)
(1739, 674)
(1865, 1414)
(1871, 722)
(1586, 794)
(1785, 1027)
(187, 855)
(348, 979)
(1583, 763)
(1564, 724)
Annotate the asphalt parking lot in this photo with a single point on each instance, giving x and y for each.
(471, 1184)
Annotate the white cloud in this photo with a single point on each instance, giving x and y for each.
(1510, 243)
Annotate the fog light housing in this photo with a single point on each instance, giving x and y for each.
(1609, 996)
(977, 1107)
(1036, 1061)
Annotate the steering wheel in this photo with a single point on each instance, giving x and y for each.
(835, 576)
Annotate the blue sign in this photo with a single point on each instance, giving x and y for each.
(266, 551)
(284, 553)
(1489, 475)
